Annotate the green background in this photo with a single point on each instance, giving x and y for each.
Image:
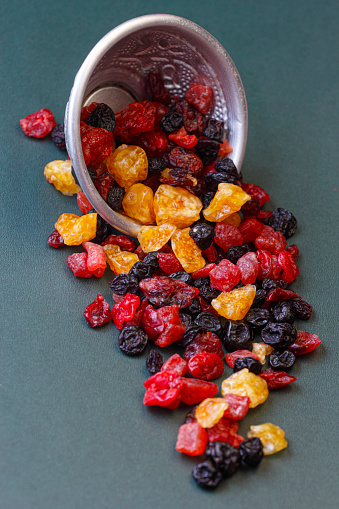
(74, 432)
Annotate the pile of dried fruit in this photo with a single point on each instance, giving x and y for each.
(210, 274)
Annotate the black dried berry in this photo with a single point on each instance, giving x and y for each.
(132, 340)
(253, 365)
(102, 116)
(58, 136)
(212, 180)
(259, 298)
(268, 284)
(156, 164)
(152, 260)
(206, 199)
(281, 360)
(207, 150)
(115, 197)
(171, 121)
(124, 283)
(181, 275)
(282, 220)
(301, 309)
(194, 308)
(207, 292)
(189, 335)
(206, 475)
(237, 336)
(202, 234)
(279, 335)
(226, 165)
(224, 456)
(209, 323)
(251, 452)
(103, 228)
(258, 318)
(154, 362)
(214, 130)
(282, 311)
(233, 253)
(186, 319)
(92, 173)
(190, 416)
(141, 270)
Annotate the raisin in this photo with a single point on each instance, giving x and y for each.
(237, 336)
(282, 311)
(301, 309)
(251, 452)
(125, 283)
(151, 259)
(283, 220)
(156, 164)
(276, 379)
(171, 121)
(304, 343)
(38, 124)
(226, 165)
(268, 284)
(115, 197)
(234, 253)
(186, 320)
(253, 365)
(202, 234)
(58, 136)
(132, 340)
(182, 275)
(163, 291)
(258, 318)
(207, 292)
(154, 362)
(209, 322)
(214, 130)
(259, 298)
(206, 475)
(102, 116)
(225, 457)
(206, 199)
(194, 308)
(279, 335)
(212, 180)
(98, 312)
(281, 360)
(207, 151)
(141, 270)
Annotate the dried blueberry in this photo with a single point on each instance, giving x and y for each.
(207, 292)
(103, 228)
(253, 365)
(251, 452)
(233, 253)
(115, 197)
(189, 335)
(209, 322)
(202, 234)
(152, 260)
(282, 311)
(154, 362)
(186, 319)
(301, 309)
(132, 340)
(214, 130)
(206, 199)
(281, 360)
(279, 335)
(102, 116)
(237, 336)
(226, 165)
(268, 284)
(194, 308)
(283, 220)
(156, 164)
(259, 298)
(258, 318)
(141, 270)
(206, 475)
(212, 180)
(124, 283)
(171, 121)
(224, 456)
(207, 150)
(181, 275)
(58, 136)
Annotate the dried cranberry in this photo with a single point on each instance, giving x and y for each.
(153, 142)
(169, 263)
(163, 325)
(270, 240)
(194, 391)
(226, 235)
(38, 124)
(304, 343)
(177, 364)
(98, 312)
(225, 276)
(77, 262)
(55, 239)
(250, 229)
(193, 119)
(257, 192)
(97, 143)
(287, 263)
(125, 310)
(206, 366)
(162, 389)
(185, 159)
(276, 379)
(237, 406)
(122, 241)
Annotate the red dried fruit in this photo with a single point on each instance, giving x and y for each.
(264, 214)
(163, 389)
(186, 159)
(83, 203)
(265, 264)
(86, 110)
(276, 379)
(140, 253)
(237, 406)
(257, 192)
(55, 239)
(206, 366)
(38, 124)
(193, 119)
(204, 342)
(225, 276)
(157, 89)
(203, 272)
(177, 364)
(169, 263)
(124, 311)
(226, 236)
(77, 262)
(153, 142)
(225, 431)
(194, 391)
(200, 96)
(276, 269)
(251, 208)
(250, 229)
(249, 267)
(305, 343)
(98, 312)
(136, 320)
(134, 119)
(123, 242)
(210, 253)
(205, 306)
(163, 326)
(230, 358)
(97, 143)
(183, 139)
(104, 184)
(164, 291)
(192, 439)
(96, 260)
(287, 263)
(294, 251)
(279, 294)
(270, 240)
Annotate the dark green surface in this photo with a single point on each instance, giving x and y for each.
(74, 432)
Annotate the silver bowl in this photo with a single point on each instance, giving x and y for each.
(114, 73)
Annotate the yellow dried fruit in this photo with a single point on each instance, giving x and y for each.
(262, 350)
(128, 164)
(245, 383)
(210, 411)
(186, 250)
(234, 219)
(235, 304)
(59, 173)
(227, 200)
(271, 436)
(111, 250)
(153, 238)
(138, 203)
(75, 230)
(122, 262)
(176, 206)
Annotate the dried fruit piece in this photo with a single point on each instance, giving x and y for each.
(176, 363)
(287, 263)
(128, 164)
(163, 389)
(225, 431)
(38, 124)
(226, 236)
(138, 203)
(59, 173)
(96, 259)
(55, 240)
(225, 457)
(305, 343)
(153, 238)
(163, 325)
(124, 311)
(249, 268)
(206, 475)
(206, 366)
(194, 391)
(132, 340)
(270, 240)
(200, 96)
(210, 411)
(235, 304)
(227, 200)
(98, 312)
(271, 436)
(176, 206)
(204, 342)
(154, 362)
(262, 351)
(230, 358)
(186, 251)
(77, 262)
(276, 379)
(192, 439)
(164, 291)
(248, 384)
(225, 276)
(97, 144)
(256, 192)
(251, 452)
(135, 118)
(119, 261)
(237, 406)
(75, 230)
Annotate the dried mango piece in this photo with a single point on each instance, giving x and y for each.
(271, 436)
(59, 173)
(138, 203)
(153, 238)
(128, 164)
(186, 250)
(245, 383)
(75, 230)
(235, 304)
(176, 206)
(227, 200)
(210, 411)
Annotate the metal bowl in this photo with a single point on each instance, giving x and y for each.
(114, 73)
